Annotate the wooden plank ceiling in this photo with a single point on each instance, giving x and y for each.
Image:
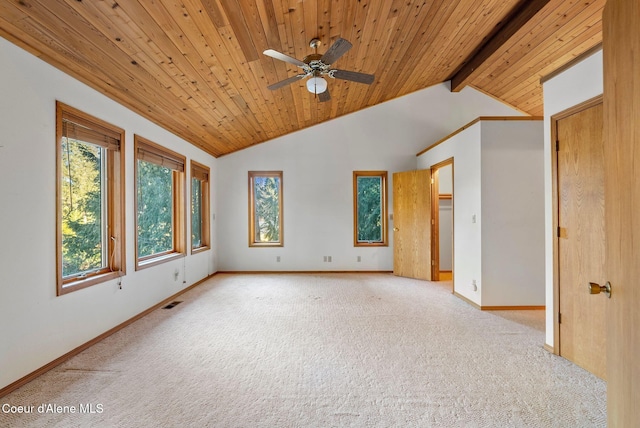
(196, 68)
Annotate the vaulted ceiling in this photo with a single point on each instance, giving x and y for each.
(196, 67)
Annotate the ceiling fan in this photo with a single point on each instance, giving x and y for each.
(316, 66)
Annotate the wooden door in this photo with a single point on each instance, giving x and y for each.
(412, 224)
(581, 239)
(621, 48)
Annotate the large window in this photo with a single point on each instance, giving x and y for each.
(160, 204)
(369, 208)
(90, 220)
(199, 207)
(265, 209)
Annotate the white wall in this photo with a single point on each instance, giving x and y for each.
(498, 235)
(36, 326)
(445, 230)
(445, 218)
(580, 83)
(464, 148)
(317, 165)
(445, 179)
(512, 213)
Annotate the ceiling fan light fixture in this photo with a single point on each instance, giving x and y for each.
(316, 85)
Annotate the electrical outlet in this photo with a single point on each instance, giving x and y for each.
(324, 258)
(474, 285)
(176, 273)
(359, 259)
(329, 259)
(278, 259)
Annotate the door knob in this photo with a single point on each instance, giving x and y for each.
(597, 288)
(395, 229)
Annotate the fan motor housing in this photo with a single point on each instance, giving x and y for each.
(311, 57)
(314, 63)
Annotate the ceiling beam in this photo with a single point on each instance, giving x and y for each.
(522, 14)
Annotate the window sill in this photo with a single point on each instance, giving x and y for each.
(79, 284)
(371, 244)
(200, 249)
(154, 261)
(265, 244)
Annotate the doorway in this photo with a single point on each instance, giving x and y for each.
(442, 221)
(580, 238)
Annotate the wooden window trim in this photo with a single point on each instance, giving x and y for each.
(70, 119)
(203, 174)
(149, 151)
(252, 241)
(384, 214)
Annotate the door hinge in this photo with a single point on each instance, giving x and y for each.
(433, 181)
(433, 262)
(559, 318)
(433, 221)
(557, 145)
(558, 232)
(562, 232)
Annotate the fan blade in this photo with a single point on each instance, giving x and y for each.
(353, 76)
(286, 82)
(324, 96)
(339, 48)
(283, 57)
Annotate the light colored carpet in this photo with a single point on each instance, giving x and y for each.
(326, 350)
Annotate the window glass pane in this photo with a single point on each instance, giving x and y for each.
(369, 209)
(266, 209)
(83, 207)
(196, 213)
(155, 209)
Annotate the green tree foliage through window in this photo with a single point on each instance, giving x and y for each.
(83, 243)
(155, 209)
(196, 213)
(369, 209)
(267, 209)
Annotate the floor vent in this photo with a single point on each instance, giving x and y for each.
(171, 305)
